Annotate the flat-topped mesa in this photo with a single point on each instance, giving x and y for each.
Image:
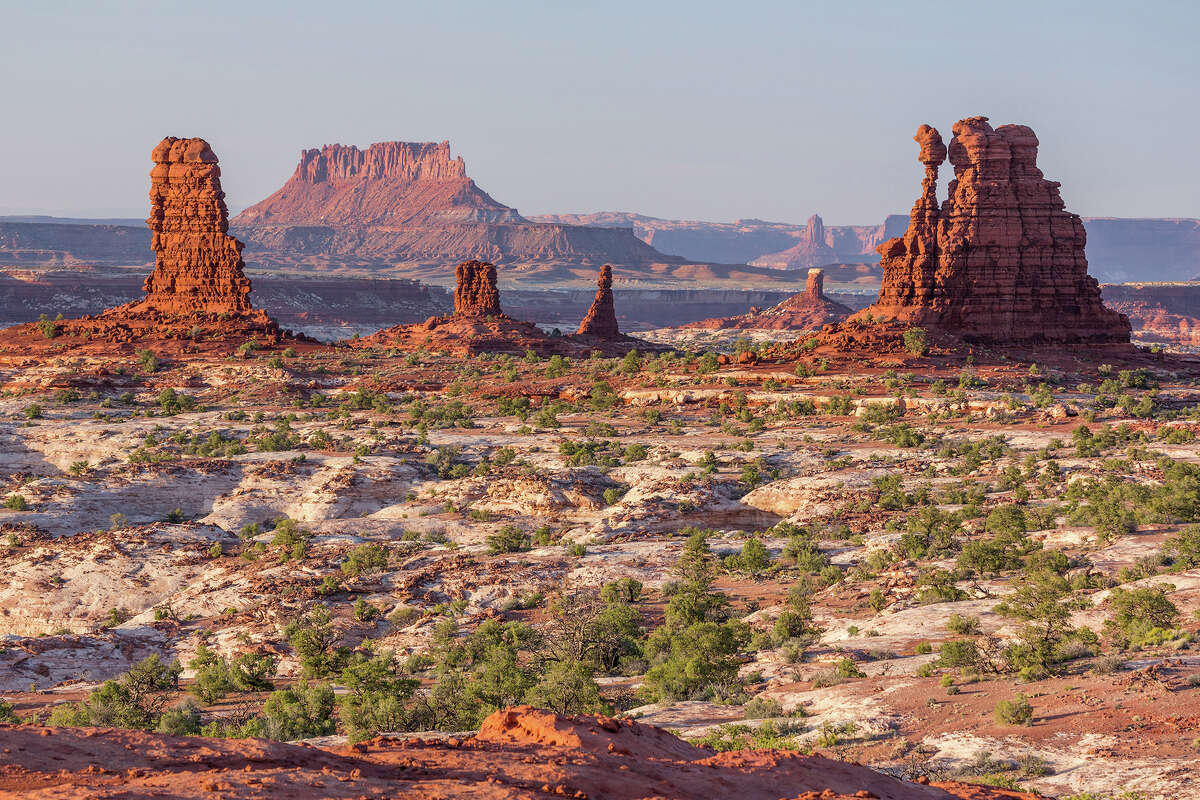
(475, 293)
(388, 184)
(1001, 261)
(409, 161)
(601, 319)
(198, 266)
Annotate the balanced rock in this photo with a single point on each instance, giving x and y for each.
(601, 319)
(1000, 261)
(198, 266)
(475, 294)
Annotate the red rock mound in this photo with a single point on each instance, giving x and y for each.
(196, 294)
(1000, 261)
(601, 319)
(807, 310)
(519, 753)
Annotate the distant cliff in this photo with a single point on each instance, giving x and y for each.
(779, 245)
(1117, 250)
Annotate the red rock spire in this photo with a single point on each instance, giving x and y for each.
(1000, 261)
(198, 266)
(601, 319)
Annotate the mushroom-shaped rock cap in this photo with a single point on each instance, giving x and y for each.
(173, 150)
(933, 152)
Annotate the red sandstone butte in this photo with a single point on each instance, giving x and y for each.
(807, 310)
(601, 319)
(519, 753)
(475, 292)
(1000, 261)
(389, 183)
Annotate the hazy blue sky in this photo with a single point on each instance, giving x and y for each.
(704, 110)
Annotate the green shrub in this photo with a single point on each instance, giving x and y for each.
(368, 557)
(1017, 711)
(509, 539)
(916, 341)
(299, 712)
(763, 708)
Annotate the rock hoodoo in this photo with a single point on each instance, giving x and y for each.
(475, 294)
(198, 266)
(601, 319)
(1000, 261)
(812, 248)
(197, 297)
(479, 326)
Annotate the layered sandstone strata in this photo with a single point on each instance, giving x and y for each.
(601, 319)
(475, 292)
(198, 266)
(411, 203)
(197, 296)
(1000, 261)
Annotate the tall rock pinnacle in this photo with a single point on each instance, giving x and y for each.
(475, 294)
(198, 266)
(601, 319)
(1000, 261)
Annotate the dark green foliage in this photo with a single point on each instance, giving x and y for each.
(299, 712)
(314, 639)
(377, 698)
(135, 700)
(509, 539)
(369, 557)
(1141, 616)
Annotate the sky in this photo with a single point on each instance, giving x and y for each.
(694, 110)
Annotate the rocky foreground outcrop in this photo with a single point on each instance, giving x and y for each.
(807, 310)
(1000, 261)
(519, 753)
(404, 202)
